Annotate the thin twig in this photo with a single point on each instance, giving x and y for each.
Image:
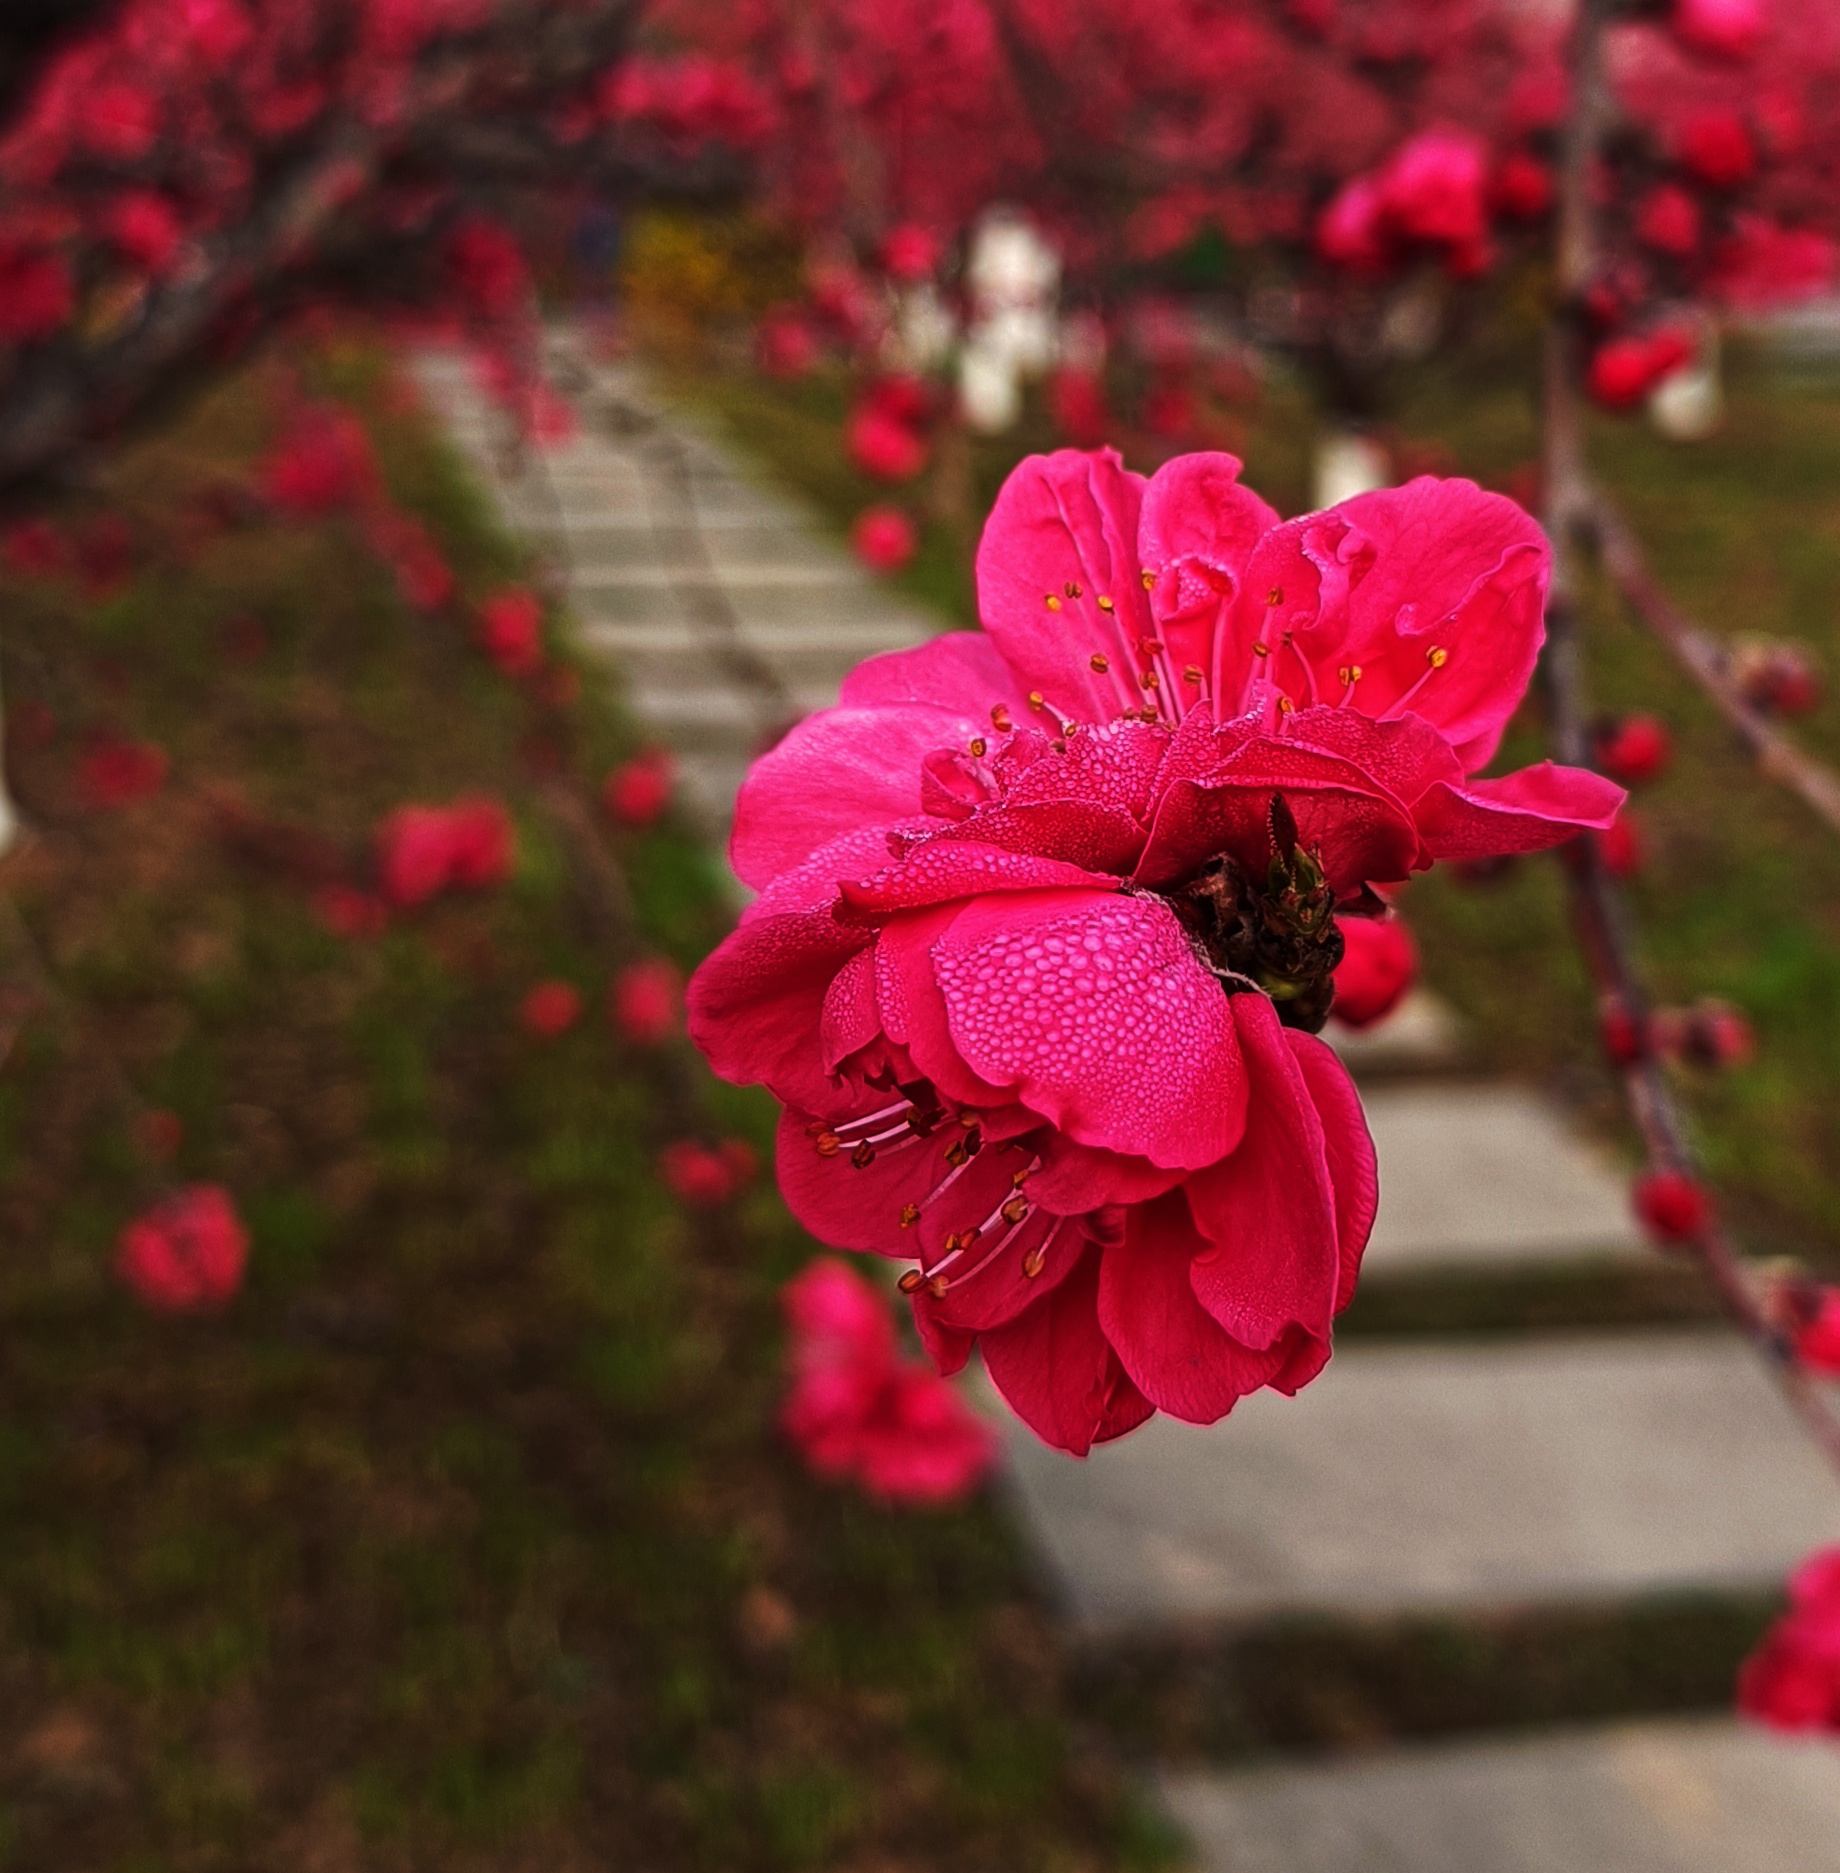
(1698, 653)
(1575, 521)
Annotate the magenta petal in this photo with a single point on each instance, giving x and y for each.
(914, 1012)
(850, 1019)
(1526, 811)
(816, 882)
(1095, 1007)
(1075, 1179)
(1198, 531)
(939, 870)
(1061, 520)
(833, 772)
(1177, 1354)
(1094, 837)
(1057, 1371)
(755, 1004)
(959, 670)
(1456, 569)
(1354, 1172)
(1273, 1261)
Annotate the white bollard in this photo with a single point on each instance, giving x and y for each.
(1348, 463)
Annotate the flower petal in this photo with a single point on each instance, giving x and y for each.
(941, 869)
(755, 1005)
(1198, 531)
(1067, 520)
(835, 772)
(1058, 1372)
(1271, 1265)
(1096, 1008)
(1354, 1171)
(958, 670)
(1526, 811)
(1178, 1355)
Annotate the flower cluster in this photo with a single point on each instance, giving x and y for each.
(1049, 916)
(469, 845)
(858, 1410)
(1792, 1681)
(187, 1254)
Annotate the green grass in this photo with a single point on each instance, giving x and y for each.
(464, 1538)
(1741, 896)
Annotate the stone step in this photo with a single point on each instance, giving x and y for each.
(1451, 1476)
(1488, 1175)
(1677, 1797)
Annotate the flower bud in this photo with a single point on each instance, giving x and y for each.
(1671, 1205)
(1632, 749)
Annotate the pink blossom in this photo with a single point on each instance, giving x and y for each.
(639, 790)
(1523, 187)
(37, 296)
(1776, 676)
(482, 843)
(911, 252)
(187, 1254)
(145, 226)
(1379, 965)
(784, 344)
(1672, 1206)
(1634, 748)
(116, 773)
(1435, 189)
(1351, 230)
(1728, 29)
(858, 1411)
(1761, 266)
(706, 1176)
(1668, 220)
(1716, 149)
(1792, 1681)
(511, 631)
(647, 1003)
(550, 1009)
(423, 850)
(882, 445)
(487, 267)
(1623, 371)
(884, 538)
(322, 461)
(1047, 917)
(1817, 1339)
(423, 576)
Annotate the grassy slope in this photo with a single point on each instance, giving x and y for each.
(1742, 894)
(464, 1538)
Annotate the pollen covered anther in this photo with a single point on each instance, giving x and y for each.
(1073, 589)
(978, 748)
(1105, 604)
(910, 1214)
(1037, 701)
(1148, 579)
(1101, 662)
(1052, 603)
(1000, 720)
(829, 1144)
(911, 1282)
(863, 1156)
(1437, 656)
(1193, 674)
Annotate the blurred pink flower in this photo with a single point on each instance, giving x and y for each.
(1792, 1681)
(858, 1411)
(647, 1003)
(706, 1176)
(1378, 967)
(884, 538)
(187, 1253)
(551, 1008)
(116, 773)
(511, 631)
(637, 792)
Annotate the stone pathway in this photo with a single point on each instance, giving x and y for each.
(1447, 1477)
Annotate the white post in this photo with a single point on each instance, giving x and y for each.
(1348, 463)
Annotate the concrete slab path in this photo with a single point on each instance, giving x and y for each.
(1643, 1798)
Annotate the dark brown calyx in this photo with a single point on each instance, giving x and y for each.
(1278, 932)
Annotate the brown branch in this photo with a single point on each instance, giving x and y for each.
(1699, 654)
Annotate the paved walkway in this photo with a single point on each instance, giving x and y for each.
(1456, 1478)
